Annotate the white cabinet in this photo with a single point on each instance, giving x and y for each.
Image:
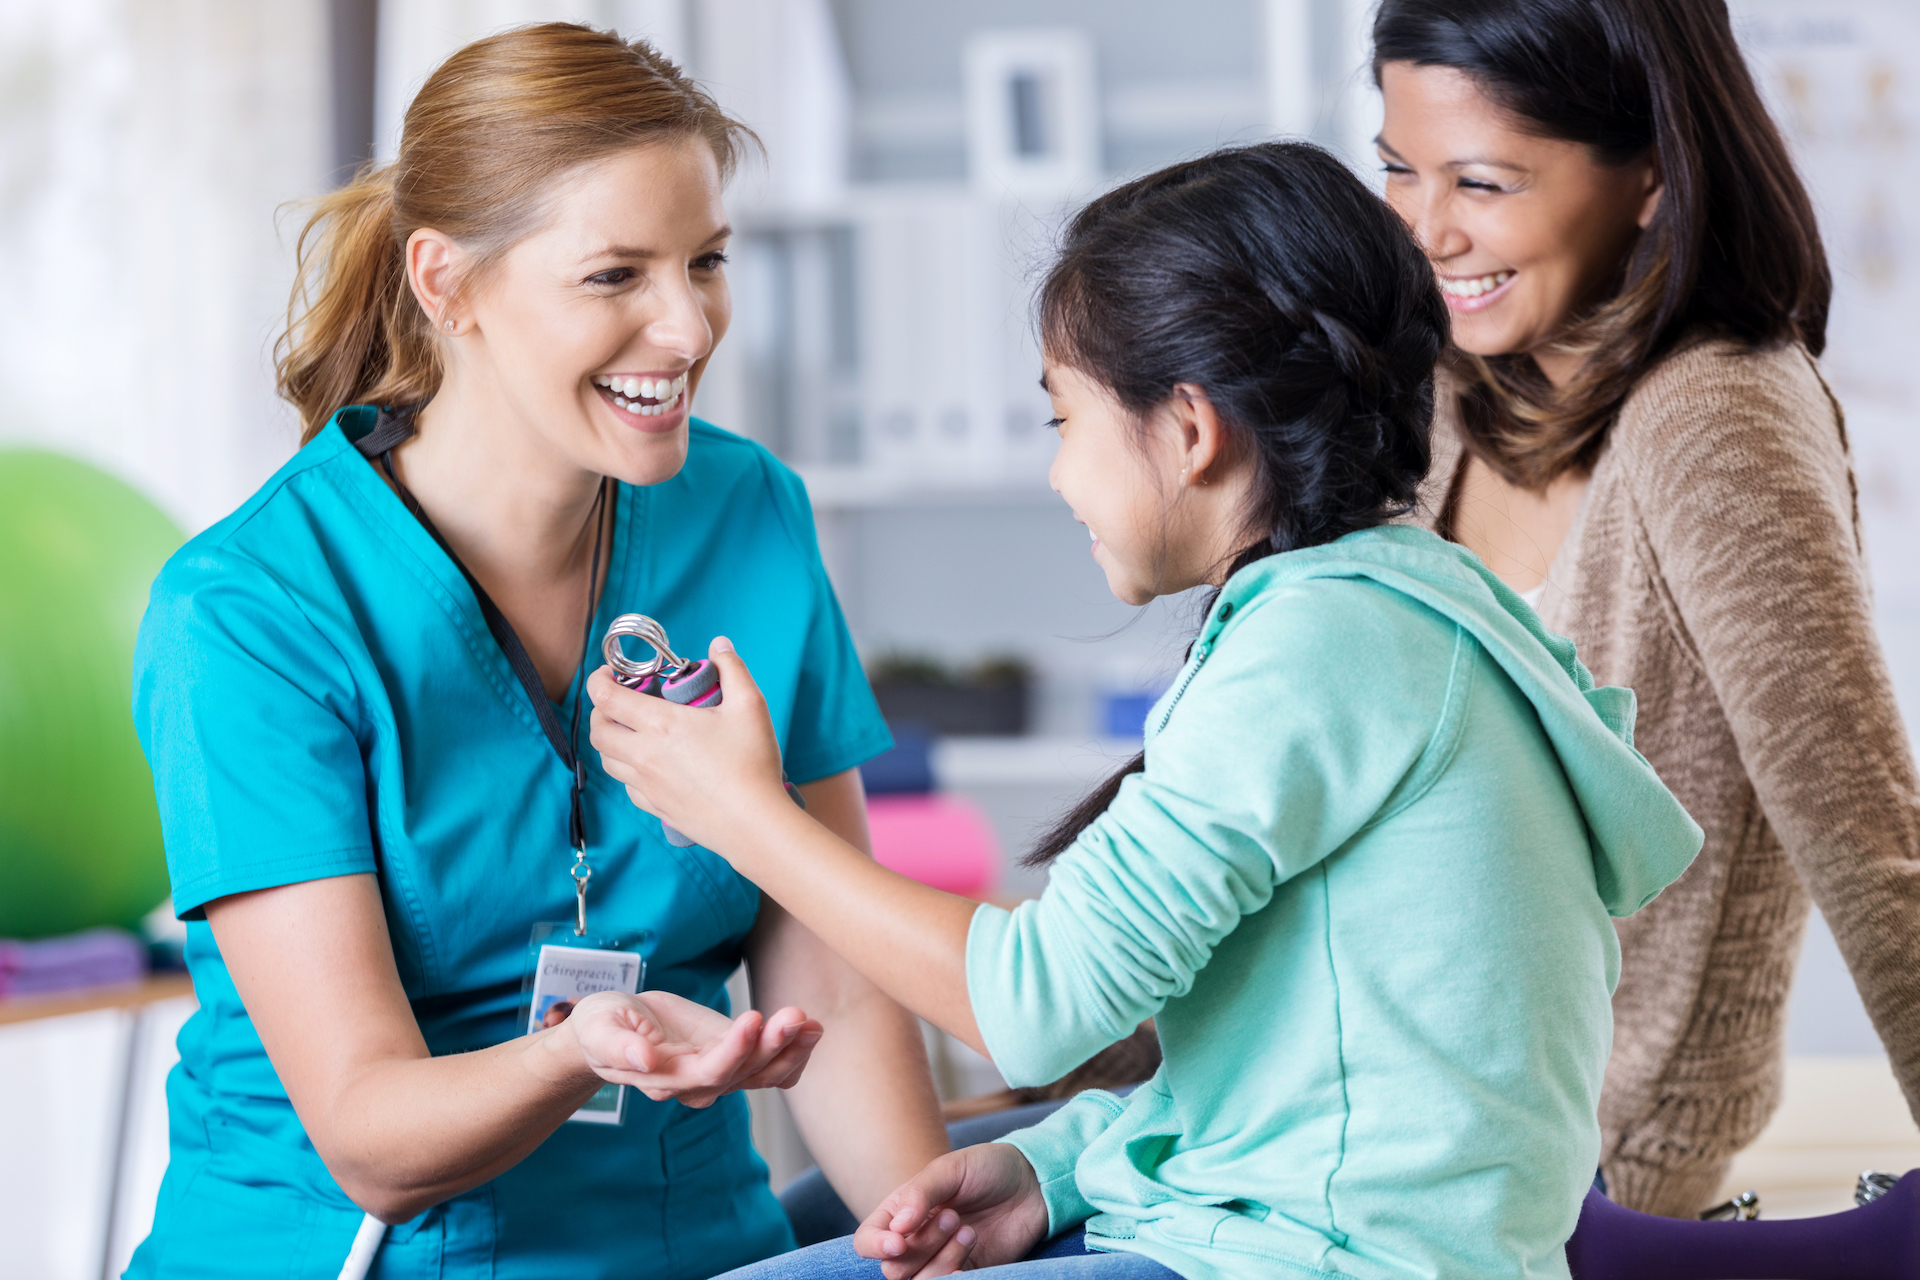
(83, 1133)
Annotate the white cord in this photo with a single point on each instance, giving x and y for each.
(366, 1243)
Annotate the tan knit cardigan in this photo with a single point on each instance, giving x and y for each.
(1716, 568)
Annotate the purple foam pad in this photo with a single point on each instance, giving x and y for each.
(1877, 1241)
(697, 686)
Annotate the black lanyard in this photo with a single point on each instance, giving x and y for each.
(394, 427)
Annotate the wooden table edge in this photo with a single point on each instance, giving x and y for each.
(165, 986)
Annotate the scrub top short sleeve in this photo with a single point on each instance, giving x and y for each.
(249, 729)
(319, 695)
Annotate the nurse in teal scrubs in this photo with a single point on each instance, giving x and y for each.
(367, 808)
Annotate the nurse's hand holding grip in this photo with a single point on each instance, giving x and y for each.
(978, 1207)
(670, 1048)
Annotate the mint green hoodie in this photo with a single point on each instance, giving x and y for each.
(1363, 886)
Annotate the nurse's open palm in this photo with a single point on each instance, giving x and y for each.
(979, 1206)
(672, 1048)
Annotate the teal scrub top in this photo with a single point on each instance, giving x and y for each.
(318, 695)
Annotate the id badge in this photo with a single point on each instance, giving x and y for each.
(564, 968)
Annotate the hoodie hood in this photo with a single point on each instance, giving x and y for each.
(1640, 836)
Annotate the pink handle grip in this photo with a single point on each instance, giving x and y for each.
(696, 686)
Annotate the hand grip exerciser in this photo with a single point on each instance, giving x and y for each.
(666, 675)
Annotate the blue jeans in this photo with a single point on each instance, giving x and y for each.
(1064, 1257)
(825, 1228)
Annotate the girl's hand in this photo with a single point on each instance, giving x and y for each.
(671, 1048)
(699, 769)
(976, 1207)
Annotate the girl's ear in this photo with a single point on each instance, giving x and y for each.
(1201, 436)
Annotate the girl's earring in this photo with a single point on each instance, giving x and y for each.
(449, 325)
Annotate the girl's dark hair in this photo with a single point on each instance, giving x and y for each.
(1272, 279)
(1733, 250)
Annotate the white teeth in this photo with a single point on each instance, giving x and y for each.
(1475, 286)
(628, 393)
(1091, 535)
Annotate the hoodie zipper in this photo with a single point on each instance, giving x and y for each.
(1200, 652)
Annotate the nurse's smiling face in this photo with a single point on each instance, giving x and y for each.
(592, 332)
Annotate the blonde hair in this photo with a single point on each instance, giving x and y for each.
(480, 147)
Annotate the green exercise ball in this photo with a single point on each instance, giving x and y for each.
(79, 833)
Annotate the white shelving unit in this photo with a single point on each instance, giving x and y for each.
(857, 488)
(967, 764)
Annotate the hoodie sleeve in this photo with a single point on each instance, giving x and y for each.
(1053, 1147)
(1292, 726)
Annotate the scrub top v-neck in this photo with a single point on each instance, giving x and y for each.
(319, 695)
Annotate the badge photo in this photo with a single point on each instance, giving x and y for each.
(565, 969)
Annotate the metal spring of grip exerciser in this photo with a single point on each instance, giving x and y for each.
(665, 675)
(633, 674)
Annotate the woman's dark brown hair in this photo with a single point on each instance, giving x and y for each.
(1733, 250)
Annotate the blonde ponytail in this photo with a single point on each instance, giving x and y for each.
(354, 332)
(483, 140)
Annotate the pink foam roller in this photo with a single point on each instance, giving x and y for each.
(940, 840)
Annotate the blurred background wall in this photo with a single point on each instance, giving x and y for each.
(921, 157)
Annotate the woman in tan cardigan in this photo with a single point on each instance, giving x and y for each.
(1638, 437)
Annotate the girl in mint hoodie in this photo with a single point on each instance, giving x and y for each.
(1362, 874)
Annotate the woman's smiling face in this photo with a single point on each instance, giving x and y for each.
(1525, 232)
(593, 331)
